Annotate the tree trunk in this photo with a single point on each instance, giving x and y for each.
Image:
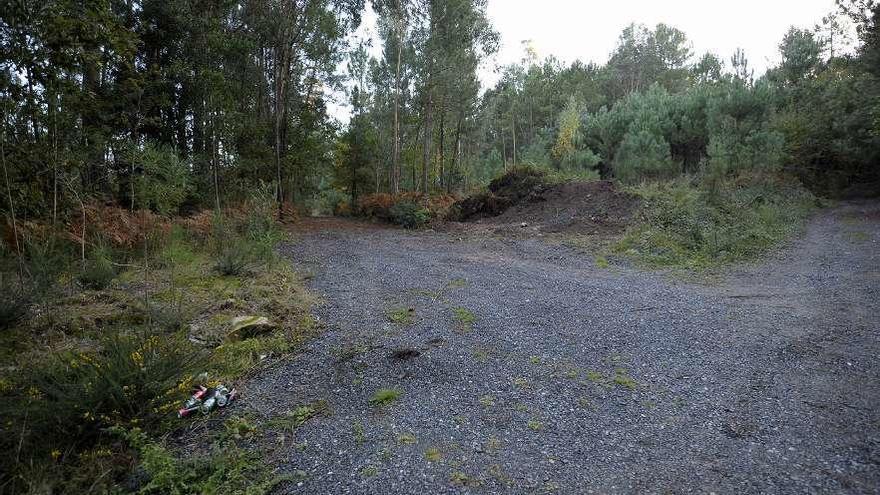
(442, 173)
(426, 146)
(513, 133)
(395, 163)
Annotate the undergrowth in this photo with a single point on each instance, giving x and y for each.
(98, 356)
(684, 225)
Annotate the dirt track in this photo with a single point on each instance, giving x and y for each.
(576, 379)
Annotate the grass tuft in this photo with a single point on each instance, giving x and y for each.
(384, 397)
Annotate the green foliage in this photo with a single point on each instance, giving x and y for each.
(67, 402)
(161, 179)
(685, 226)
(14, 303)
(643, 154)
(226, 469)
(409, 215)
(384, 397)
(98, 271)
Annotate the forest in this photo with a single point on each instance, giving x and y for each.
(156, 152)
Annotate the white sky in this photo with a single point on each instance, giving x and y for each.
(588, 29)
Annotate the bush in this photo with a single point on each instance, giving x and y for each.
(683, 225)
(410, 215)
(98, 271)
(14, 303)
(227, 469)
(235, 257)
(162, 183)
(62, 408)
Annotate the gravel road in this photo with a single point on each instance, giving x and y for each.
(579, 379)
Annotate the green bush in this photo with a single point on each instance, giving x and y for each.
(684, 225)
(236, 257)
(410, 215)
(161, 181)
(98, 271)
(62, 407)
(226, 469)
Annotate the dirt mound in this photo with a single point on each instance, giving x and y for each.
(511, 188)
(574, 207)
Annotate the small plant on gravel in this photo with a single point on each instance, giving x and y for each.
(493, 445)
(433, 455)
(535, 359)
(487, 401)
(622, 379)
(521, 382)
(481, 355)
(357, 429)
(369, 471)
(602, 262)
(535, 425)
(402, 316)
(292, 420)
(462, 479)
(237, 428)
(407, 438)
(384, 397)
(464, 318)
(595, 377)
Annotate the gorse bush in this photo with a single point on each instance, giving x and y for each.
(61, 408)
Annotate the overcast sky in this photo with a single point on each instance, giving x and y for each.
(588, 29)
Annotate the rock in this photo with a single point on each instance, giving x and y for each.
(246, 327)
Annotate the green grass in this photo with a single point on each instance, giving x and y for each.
(407, 438)
(464, 318)
(433, 455)
(117, 359)
(622, 379)
(291, 420)
(402, 316)
(682, 225)
(357, 430)
(384, 397)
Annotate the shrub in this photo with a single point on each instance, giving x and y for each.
(683, 225)
(14, 303)
(236, 257)
(410, 215)
(68, 402)
(226, 469)
(98, 271)
(162, 182)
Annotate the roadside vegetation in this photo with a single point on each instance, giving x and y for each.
(100, 352)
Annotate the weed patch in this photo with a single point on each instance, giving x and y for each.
(402, 316)
(385, 397)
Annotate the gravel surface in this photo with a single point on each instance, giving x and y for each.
(576, 379)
